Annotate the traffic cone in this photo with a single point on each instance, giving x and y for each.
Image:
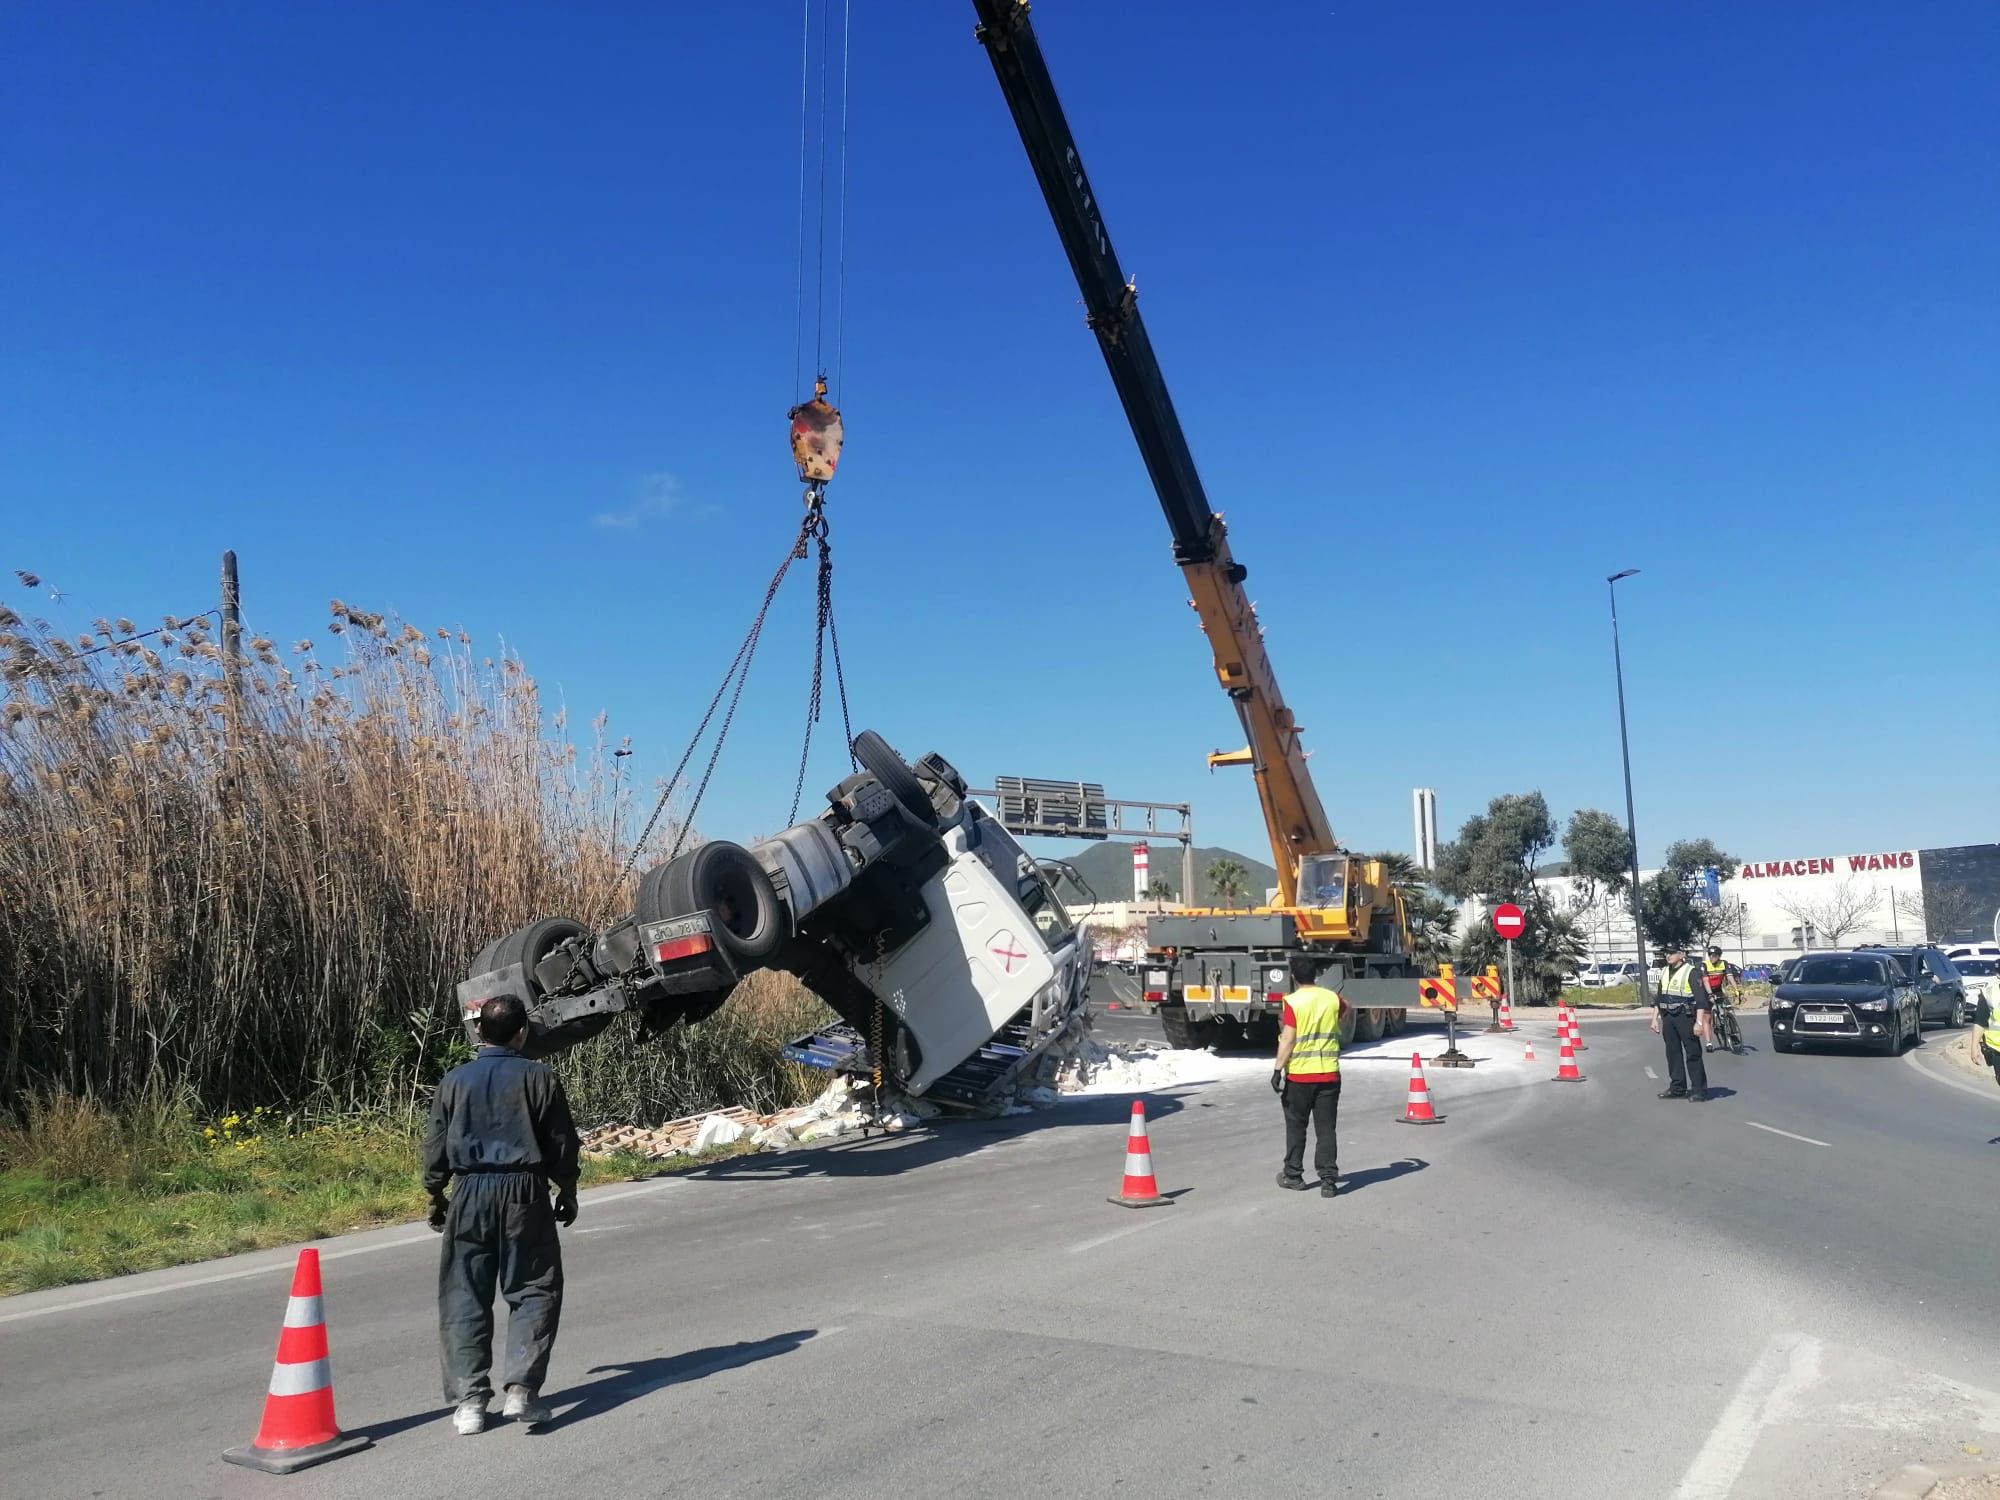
(1576, 1031)
(1529, 1055)
(1418, 1110)
(1566, 1070)
(1506, 1015)
(1140, 1190)
(298, 1427)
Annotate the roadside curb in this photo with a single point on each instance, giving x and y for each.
(1914, 1481)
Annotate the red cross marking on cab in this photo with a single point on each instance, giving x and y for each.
(1008, 954)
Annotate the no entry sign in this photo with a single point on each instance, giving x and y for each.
(1508, 920)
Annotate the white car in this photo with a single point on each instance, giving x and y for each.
(1606, 976)
(1981, 974)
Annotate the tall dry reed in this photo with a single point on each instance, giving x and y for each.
(267, 890)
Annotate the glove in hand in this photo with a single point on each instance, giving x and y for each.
(436, 1219)
(566, 1209)
(1277, 1080)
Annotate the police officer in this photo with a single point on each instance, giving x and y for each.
(1681, 999)
(1307, 1077)
(501, 1127)
(1986, 1016)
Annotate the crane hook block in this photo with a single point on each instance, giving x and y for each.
(816, 436)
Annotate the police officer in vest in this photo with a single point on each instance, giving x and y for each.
(1986, 1016)
(1682, 997)
(1307, 1077)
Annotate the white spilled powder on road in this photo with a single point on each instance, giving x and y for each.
(1092, 1068)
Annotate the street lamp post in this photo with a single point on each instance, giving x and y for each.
(1625, 749)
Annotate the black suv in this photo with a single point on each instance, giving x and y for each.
(1846, 999)
(1940, 987)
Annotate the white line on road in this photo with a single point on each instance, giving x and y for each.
(1787, 1134)
(1789, 1361)
(1914, 1060)
(1116, 1234)
(1652, 1075)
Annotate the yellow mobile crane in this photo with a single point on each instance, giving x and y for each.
(1214, 974)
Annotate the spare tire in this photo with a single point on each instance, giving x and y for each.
(725, 881)
(880, 760)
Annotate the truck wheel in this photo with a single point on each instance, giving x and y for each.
(1398, 1022)
(1181, 1032)
(881, 761)
(530, 946)
(1367, 1025)
(725, 881)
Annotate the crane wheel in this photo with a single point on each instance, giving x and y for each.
(724, 880)
(880, 760)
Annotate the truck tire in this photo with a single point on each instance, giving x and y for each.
(1398, 1022)
(881, 761)
(1184, 1034)
(529, 946)
(724, 880)
(1368, 1025)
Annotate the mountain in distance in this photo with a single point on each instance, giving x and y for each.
(1108, 869)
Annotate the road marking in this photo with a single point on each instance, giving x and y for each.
(218, 1277)
(1652, 1075)
(1116, 1234)
(1787, 1134)
(1789, 1361)
(1912, 1058)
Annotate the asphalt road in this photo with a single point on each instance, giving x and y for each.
(1561, 1290)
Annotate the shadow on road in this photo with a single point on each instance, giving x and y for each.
(378, 1431)
(628, 1382)
(1353, 1182)
(1720, 1091)
(885, 1155)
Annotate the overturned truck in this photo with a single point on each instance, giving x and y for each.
(938, 942)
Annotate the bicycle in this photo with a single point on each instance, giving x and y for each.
(1725, 1035)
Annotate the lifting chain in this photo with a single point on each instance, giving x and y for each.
(739, 674)
(877, 1026)
(825, 634)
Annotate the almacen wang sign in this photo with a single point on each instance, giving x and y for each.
(1847, 864)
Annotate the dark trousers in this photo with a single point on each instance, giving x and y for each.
(1677, 1027)
(1319, 1103)
(499, 1233)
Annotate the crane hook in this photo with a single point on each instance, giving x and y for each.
(816, 438)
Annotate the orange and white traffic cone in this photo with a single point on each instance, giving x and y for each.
(298, 1427)
(1529, 1055)
(1576, 1030)
(1418, 1110)
(1566, 1069)
(1140, 1190)
(1506, 1015)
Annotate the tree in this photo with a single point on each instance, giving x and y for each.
(1600, 853)
(1944, 910)
(1403, 871)
(1833, 915)
(1732, 920)
(1225, 880)
(1159, 888)
(1496, 851)
(1551, 946)
(1671, 916)
(1433, 923)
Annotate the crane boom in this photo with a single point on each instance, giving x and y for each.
(1293, 815)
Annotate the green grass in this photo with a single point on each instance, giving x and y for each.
(84, 1195)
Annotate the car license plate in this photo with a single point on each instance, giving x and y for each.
(1823, 1017)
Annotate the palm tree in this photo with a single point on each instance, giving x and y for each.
(1225, 880)
(1403, 871)
(1158, 889)
(1433, 922)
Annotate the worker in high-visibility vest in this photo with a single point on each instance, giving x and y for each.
(1986, 1016)
(1717, 973)
(1681, 1000)
(1307, 1077)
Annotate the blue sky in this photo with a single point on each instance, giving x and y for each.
(488, 317)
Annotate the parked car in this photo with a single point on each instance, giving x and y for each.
(1940, 987)
(1757, 973)
(1957, 951)
(1781, 968)
(1858, 999)
(1604, 976)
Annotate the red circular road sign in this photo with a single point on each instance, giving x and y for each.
(1508, 920)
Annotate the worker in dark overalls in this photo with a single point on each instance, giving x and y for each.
(501, 1127)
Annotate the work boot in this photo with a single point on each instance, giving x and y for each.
(525, 1406)
(1697, 1096)
(1296, 1184)
(1673, 1093)
(470, 1418)
(1329, 1189)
